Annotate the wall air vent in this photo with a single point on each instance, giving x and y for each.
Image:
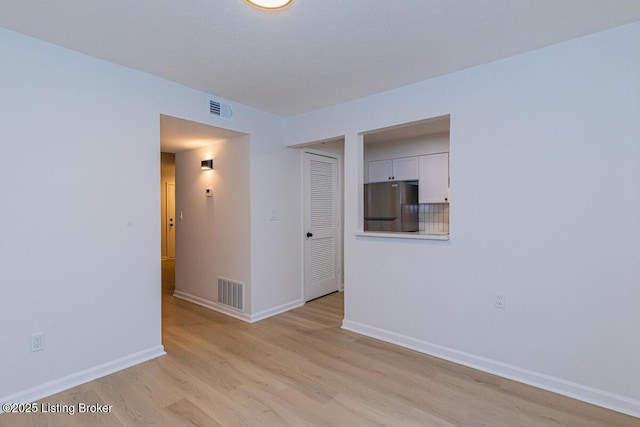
(231, 293)
(219, 109)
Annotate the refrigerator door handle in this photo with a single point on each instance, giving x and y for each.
(383, 218)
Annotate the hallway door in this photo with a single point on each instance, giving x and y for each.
(171, 220)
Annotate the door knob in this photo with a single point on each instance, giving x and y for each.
(309, 234)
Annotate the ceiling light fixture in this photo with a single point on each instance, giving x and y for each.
(270, 4)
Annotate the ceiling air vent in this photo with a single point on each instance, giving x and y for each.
(219, 109)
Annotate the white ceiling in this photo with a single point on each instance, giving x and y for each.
(315, 53)
(179, 134)
(408, 130)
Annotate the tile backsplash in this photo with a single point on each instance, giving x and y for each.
(433, 218)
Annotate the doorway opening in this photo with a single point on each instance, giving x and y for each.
(205, 215)
(406, 178)
(167, 221)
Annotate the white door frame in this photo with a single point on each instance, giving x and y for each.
(339, 204)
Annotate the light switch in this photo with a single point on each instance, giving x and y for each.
(209, 192)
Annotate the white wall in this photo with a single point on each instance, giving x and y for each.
(545, 166)
(276, 254)
(80, 252)
(213, 236)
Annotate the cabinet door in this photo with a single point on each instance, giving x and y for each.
(433, 186)
(380, 171)
(405, 169)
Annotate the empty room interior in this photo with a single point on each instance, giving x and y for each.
(305, 213)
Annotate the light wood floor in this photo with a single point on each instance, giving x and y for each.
(301, 369)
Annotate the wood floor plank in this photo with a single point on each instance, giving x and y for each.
(190, 414)
(301, 369)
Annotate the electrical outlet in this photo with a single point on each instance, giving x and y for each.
(37, 342)
(500, 301)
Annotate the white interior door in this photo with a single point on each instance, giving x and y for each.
(171, 220)
(321, 220)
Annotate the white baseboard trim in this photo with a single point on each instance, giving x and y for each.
(276, 310)
(212, 305)
(249, 318)
(73, 380)
(581, 392)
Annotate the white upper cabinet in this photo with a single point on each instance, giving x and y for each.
(380, 170)
(433, 186)
(403, 169)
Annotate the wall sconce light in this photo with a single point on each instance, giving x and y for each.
(206, 165)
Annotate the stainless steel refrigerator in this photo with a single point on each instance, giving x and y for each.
(391, 206)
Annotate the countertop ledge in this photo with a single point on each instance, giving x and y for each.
(403, 235)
